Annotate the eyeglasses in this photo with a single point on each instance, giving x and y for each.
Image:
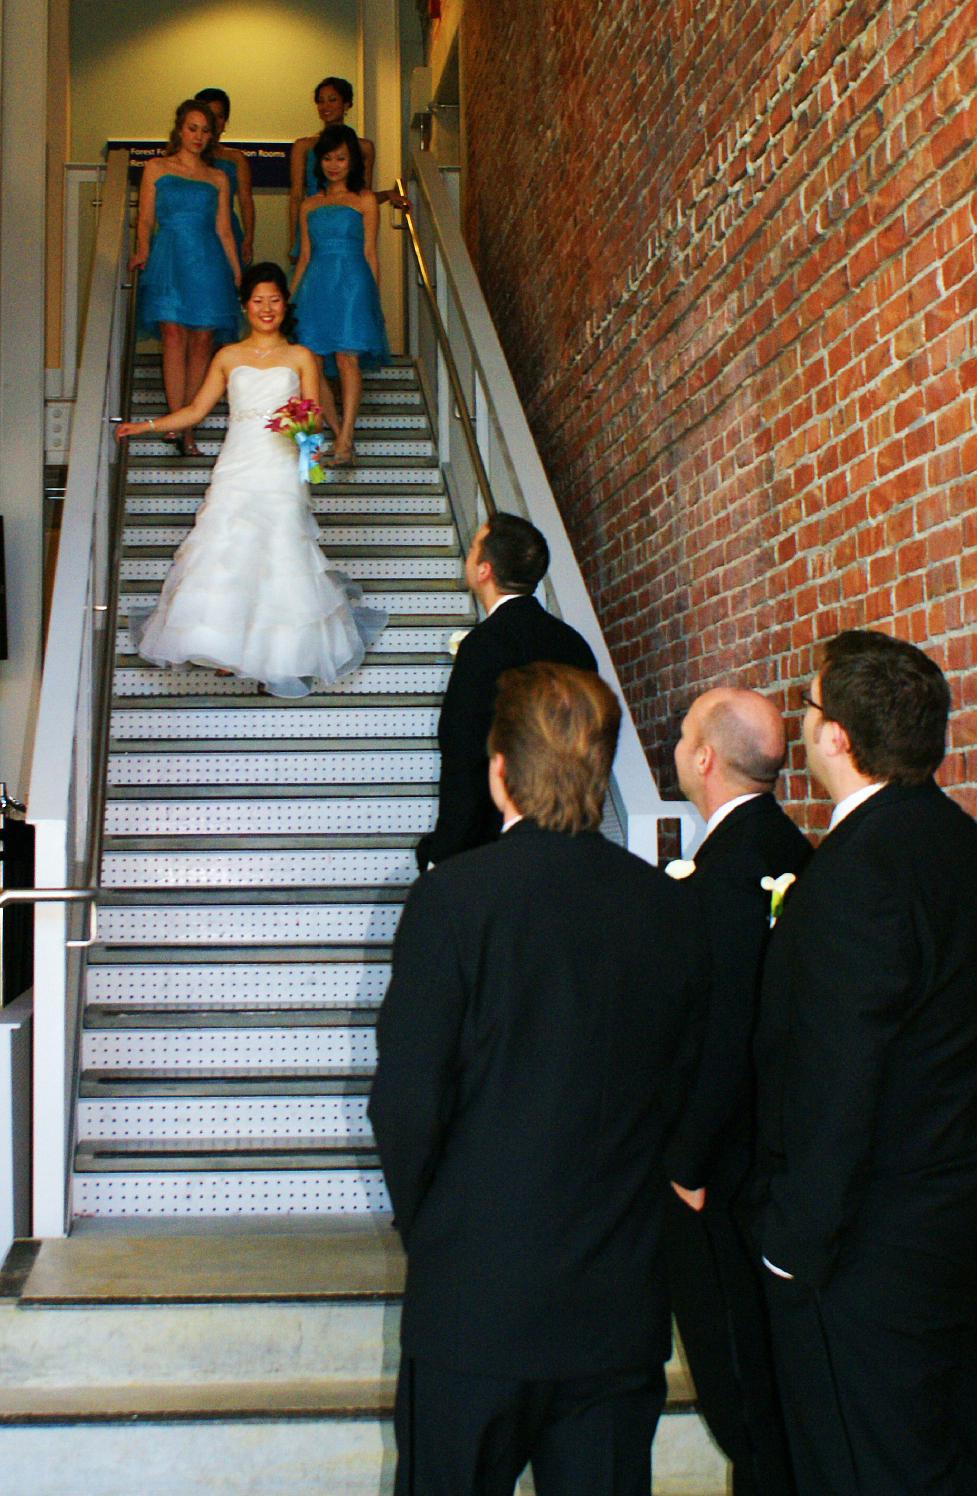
(807, 700)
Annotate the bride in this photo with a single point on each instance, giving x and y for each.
(249, 591)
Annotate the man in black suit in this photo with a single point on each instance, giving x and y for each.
(866, 1055)
(505, 564)
(728, 759)
(537, 1037)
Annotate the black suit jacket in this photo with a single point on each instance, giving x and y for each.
(540, 1028)
(712, 1145)
(518, 633)
(867, 1044)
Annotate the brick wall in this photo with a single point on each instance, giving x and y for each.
(730, 250)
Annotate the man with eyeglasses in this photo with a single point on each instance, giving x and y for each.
(867, 1111)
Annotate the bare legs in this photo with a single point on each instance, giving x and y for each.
(351, 380)
(328, 401)
(186, 353)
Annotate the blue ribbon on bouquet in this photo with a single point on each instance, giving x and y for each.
(309, 443)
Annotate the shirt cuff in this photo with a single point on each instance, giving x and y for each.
(778, 1270)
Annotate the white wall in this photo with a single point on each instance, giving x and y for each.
(23, 87)
(131, 64)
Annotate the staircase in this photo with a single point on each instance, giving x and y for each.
(257, 853)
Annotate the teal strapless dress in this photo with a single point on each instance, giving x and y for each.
(187, 279)
(337, 304)
(229, 168)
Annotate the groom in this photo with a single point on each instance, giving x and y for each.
(506, 563)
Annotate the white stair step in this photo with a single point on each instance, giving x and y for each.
(359, 568)
(368, 680)
(346, 505)
(393, 640)
(147, 368)
(343, 869)
(312, 1118)
(196, 1343)
(400, 477)
(330, 1048)
(442, 604)
(343, 1456)
(419, 446)
(332, 535)
(235, 1193)
(249, 924)
(387, 815)
(175, 724)
(407, 420)
(377, 767)
(373, 397)
(292, 984)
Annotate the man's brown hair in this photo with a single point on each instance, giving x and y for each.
(556, 728)
(892, 700)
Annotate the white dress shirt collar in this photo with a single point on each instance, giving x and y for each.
(725, 810)
(512, 821)
(505, 598)
(852, 801)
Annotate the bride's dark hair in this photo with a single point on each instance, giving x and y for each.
(257, 275)
(332, 137)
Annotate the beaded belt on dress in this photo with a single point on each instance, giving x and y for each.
(253, 414)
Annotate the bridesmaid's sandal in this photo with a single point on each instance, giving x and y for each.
(190, 448)
(339, 459)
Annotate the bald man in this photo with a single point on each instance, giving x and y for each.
(729, 759)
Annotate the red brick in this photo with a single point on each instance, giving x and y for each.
(742, 327)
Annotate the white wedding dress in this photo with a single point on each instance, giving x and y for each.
(249, 590)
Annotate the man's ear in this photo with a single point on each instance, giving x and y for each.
(705, 758)
(835, 741)
(497, 784)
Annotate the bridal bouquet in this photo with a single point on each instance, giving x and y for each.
(300, 419)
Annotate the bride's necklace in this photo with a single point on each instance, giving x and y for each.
(267, 352)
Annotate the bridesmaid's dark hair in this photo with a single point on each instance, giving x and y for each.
(332, 137)
(342, 86)
(193, 106)
(215, 96)
(257, 275)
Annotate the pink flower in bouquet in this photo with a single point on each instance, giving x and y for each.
(300, 419)
(296, 417)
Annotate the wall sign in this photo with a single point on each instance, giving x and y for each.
(268, 159)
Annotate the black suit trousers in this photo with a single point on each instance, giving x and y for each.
(878, 1369)
(717, 1300)
(463, 1434)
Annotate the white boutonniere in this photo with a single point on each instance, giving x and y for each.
(777, 889)
(680, 867)
(455, 639)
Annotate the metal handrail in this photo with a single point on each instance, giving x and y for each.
(58, 896)
(444, 344)
(103, 711)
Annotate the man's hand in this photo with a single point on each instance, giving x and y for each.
(694, 1199)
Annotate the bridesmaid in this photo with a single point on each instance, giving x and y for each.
(333, 101)
(235, 163)
(186, 293)
(337, 300)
